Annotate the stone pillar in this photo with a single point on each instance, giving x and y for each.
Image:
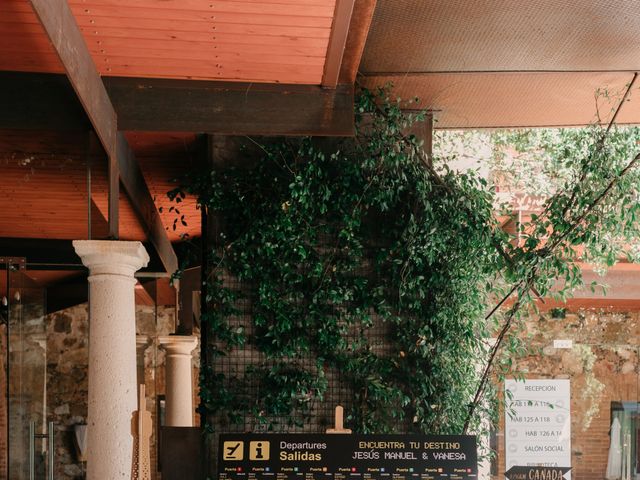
(112, 354)
(179, 388)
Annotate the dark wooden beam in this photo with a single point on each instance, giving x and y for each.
(228, 108)
(358, 30)
(143, 204)
(114, 198)
(65, 35)
(42, 253)
(149, 285)
(337, 42)
(47, 254)
(190, 281)
(46, 101)
(67, 293)
(40, 102)
(427, 135)
(424, 131)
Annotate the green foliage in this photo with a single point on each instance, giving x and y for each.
(331, 239)
(572, 167)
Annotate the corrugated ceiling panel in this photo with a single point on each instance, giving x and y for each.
(496, 35)
(515, 99)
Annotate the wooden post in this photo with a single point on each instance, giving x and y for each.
(339, 422)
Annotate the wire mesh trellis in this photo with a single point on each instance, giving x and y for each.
(320, 416)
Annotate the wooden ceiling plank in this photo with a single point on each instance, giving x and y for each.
(97, 16)
(199, 49)
(30, 63)
(174, 68)
(140, 28)
(12, 30)
(318, 7)
(212, 59)
(198, 4)
(273, 28)
(243, 44)
(337, 42)
(208, 11)
(221, 40)
(300, 67)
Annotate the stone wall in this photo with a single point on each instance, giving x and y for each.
(603, 368)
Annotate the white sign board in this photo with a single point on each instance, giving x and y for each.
(538, 423)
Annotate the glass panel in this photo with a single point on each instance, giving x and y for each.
(623, 446)
(27, 395)
(4, 320)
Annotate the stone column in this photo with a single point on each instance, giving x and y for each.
(179, 388)
(112, 354)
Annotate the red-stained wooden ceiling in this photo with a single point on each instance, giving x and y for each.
(43, 175)
(279, 41)
(43, 185)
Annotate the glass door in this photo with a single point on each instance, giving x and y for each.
(30, 437)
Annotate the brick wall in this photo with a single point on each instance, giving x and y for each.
(603, 368)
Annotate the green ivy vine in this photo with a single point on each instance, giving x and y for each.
(331, 239)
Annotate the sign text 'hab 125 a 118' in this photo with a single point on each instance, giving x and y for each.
(347, 457)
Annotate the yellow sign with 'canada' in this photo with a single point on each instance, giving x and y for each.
(259, 450)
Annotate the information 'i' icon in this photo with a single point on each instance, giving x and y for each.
(259, 450)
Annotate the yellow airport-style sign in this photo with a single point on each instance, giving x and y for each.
(259, 450)
(233, 450)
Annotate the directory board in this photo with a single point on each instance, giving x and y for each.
(347, 457)
(538, 423)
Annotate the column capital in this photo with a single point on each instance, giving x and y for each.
(178, 344)
(111, 257)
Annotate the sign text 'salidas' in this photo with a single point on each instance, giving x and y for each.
(305, 451)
